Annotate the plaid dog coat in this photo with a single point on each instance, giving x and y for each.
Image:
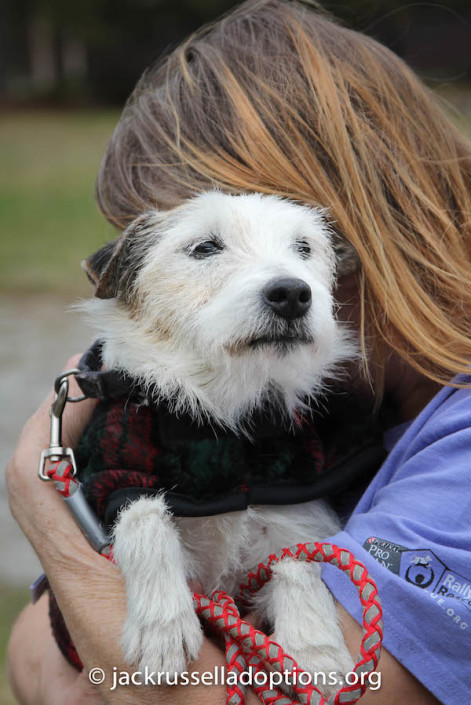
(131, 450)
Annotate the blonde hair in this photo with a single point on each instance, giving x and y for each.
(276, 97)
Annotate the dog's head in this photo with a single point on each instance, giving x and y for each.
(221, 302)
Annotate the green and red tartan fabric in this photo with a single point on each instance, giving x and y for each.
(129, 446)
(61, 634)
(129, 449)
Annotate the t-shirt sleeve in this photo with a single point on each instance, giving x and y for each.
(412, 531)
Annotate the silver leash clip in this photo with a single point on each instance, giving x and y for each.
(76, 501)
(56, 450)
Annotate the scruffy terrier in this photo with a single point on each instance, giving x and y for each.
(222, 307)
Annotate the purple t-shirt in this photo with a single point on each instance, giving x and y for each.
(412, 530)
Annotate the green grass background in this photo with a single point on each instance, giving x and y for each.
(48, 218)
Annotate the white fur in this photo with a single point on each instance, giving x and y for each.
(303, 613)
(186, 336)
(161, 628)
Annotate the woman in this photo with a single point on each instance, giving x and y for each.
(278, 98)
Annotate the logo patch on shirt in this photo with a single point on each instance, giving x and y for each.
(385, 552)
(422, 568)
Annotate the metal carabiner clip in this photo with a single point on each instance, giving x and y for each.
(56, 450)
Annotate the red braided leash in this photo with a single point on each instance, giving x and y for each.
(259, 650)
(62, 473)
(248, 648)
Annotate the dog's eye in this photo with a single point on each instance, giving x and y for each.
(205, 249)
(303, 248)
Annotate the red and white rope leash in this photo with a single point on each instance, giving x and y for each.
(245, 646)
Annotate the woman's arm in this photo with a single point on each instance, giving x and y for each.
(37, 671)
(397, 684)
(39, 674)
(91, 596)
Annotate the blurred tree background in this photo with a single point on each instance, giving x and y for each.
(67, 67)
(93, 51)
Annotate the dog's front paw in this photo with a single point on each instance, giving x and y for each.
(327, 665)
(306, 624)
(165, 648)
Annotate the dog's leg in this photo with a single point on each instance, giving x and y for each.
(302, 610)
(162, 630)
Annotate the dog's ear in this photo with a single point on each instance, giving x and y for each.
(112, 269)
(96, 264)
(346, 257)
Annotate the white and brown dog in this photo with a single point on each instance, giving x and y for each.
(219, 306)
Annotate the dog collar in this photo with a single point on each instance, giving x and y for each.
(106, 385)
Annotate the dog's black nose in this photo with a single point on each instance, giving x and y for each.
(289, 298)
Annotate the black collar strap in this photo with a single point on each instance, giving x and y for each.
(355, 469)
(102, 384)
